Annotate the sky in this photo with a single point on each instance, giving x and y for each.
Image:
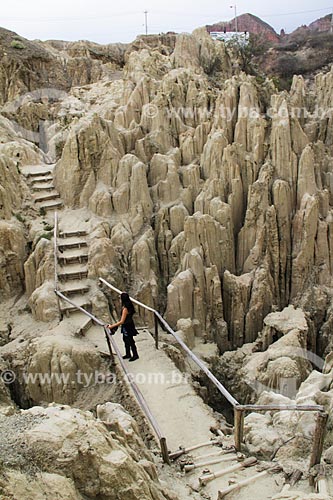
(105, 21)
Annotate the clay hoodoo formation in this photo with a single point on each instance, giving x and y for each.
(207, 194)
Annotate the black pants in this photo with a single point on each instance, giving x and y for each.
(130, 345)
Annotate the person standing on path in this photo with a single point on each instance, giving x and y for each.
(127, 327)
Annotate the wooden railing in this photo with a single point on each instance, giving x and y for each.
(138, 394)
(55, 250)
(239, 409)
(112, 346)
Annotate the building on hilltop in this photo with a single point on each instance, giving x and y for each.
(227, 36)
(246, 24)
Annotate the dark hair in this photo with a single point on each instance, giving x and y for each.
(126, 302)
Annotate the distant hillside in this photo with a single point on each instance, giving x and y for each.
(318, 26)
(305, 51)
(322, 24)
(29, 65)
(246, 22)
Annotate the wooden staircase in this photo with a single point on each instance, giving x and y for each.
(72, 258)
(47, 197)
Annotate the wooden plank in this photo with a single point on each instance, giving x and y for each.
(51, 207)
(37, 174)
(74, 259)
(238, 427)
(240, 484)
(73, 276)
(47, 197)
(76, 244)
(249, 462)
(70, 309)
(42, 188)
(69, 234)
(41, 179)
(318, 439)
(75, 291)
(282, 407)
(213, 461)
(164, 451)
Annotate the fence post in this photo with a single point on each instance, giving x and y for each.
(318, 439)
(156, 331)
(55, 249)
(109, 345)
(164, 450)
(238, 427)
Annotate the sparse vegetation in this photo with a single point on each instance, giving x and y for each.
(301, 53)
(20, 218)
(257, 45)
(25, 309)
(16, 44)
(46, 236)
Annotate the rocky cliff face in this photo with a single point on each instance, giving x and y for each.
(230, 190)
(70, 451)
(220, 199)
(27, 66)
(321, 24)
(206, 194)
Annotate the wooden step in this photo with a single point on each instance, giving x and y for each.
(38, 174)
(70, 234)
(75, 275)
(41, 180)
(80, 290)
(71, 309)
(47, 197)
(74, 259)
(52, 206)
(75, 244)
(42, 188)
(84, 328)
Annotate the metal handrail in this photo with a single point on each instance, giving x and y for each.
(240, 409)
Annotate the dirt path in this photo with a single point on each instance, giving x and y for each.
(182, 415)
